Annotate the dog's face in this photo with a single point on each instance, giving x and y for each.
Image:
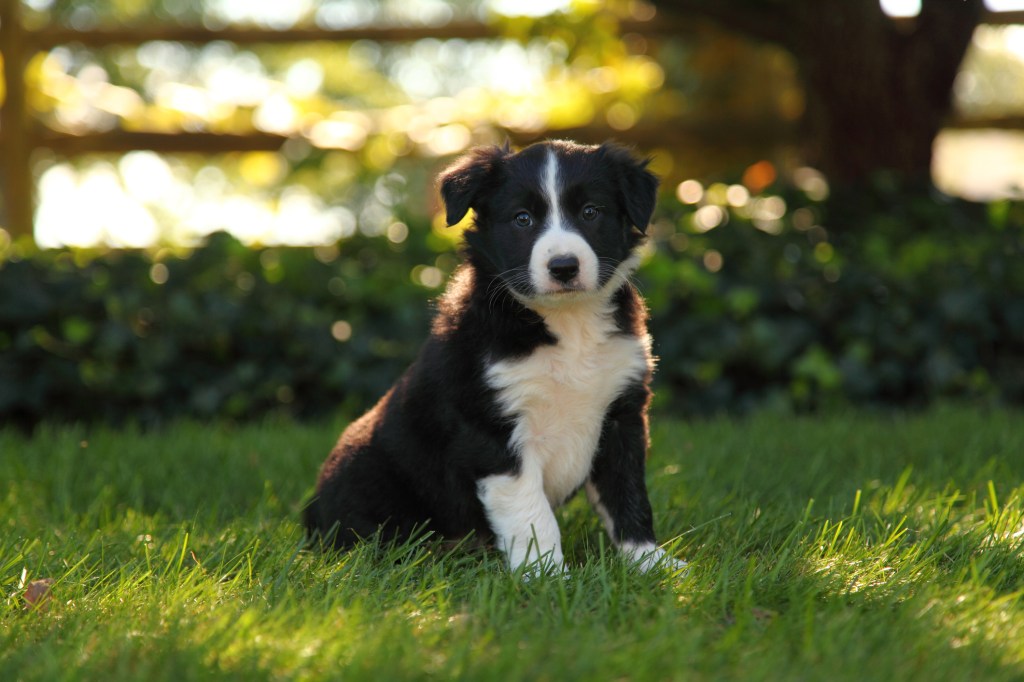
(555, 219)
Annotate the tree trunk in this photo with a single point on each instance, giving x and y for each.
(877, 90)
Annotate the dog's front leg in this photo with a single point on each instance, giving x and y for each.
(523, 522)
(616, 486)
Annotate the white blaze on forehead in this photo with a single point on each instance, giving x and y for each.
(551, 192)
(557, 240)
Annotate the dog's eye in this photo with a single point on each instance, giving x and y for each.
(523, 219)
(590, 212)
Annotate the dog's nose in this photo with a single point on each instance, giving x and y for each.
(564, 268)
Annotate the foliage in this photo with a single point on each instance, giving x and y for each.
(229, 330)
(780, 303)
(820, 549)
(879, 295)
(356, 111)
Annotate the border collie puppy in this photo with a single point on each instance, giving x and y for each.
(534, 380)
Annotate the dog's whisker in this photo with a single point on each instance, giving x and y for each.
(499, 289)
(608, 267)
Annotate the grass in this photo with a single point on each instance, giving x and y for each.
(844, 547)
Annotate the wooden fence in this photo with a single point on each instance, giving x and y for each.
(21, 135)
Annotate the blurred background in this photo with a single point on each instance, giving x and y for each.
(226, 207)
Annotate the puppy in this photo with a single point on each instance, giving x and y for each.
(534, 380)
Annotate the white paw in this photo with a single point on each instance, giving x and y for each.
(647, 557)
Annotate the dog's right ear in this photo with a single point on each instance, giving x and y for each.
(462, 181)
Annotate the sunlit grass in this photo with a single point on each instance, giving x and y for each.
(842, 547)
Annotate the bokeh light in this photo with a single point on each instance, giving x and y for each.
(690, 191)
(350, 112)
(901, 8)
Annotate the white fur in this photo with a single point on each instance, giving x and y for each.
(646, 556)
(523, 521)
(555, 240)
(558, 396)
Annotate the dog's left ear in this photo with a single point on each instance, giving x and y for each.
(462, 182)
(638, 187)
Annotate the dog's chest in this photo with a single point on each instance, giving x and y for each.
(558, 395)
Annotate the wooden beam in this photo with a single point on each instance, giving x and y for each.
(51, 36)
(647, 135)
(122, 141)
(18, 201)
(723, 132)
(996, 18)
(986, 123)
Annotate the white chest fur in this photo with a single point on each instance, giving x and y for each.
(558, 395)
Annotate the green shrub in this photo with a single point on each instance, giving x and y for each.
(883, 297)
(879, 297)
(230, 331)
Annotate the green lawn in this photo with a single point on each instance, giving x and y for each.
(858, 546)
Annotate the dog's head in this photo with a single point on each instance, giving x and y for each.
(554, 219)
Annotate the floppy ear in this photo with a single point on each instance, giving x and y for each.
(462, 181)
(638, 187)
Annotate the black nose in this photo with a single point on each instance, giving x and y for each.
(564, 268)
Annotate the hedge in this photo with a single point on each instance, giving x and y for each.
(881, 297)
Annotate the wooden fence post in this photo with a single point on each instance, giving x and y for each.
(15, 145)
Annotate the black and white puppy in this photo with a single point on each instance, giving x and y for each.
(534, 380)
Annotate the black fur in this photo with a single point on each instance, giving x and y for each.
(414, 460)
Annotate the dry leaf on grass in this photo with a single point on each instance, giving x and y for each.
(37, 594)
